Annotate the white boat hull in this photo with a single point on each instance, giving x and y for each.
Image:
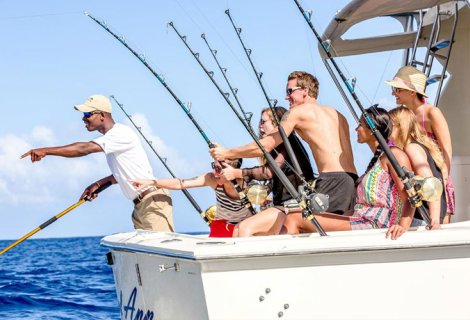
(347, 275)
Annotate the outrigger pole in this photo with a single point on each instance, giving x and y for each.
(414, 197)
(271, 103)
(183, 106)
(302, 198)
(163, 161)
(53, 219)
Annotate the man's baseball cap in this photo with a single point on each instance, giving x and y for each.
(95, 102)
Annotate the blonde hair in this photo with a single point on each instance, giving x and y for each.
(279, 113)
(409, 130)
(306, 81)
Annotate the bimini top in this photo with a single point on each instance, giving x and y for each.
(360, 10)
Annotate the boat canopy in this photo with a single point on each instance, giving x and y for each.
(361, 10)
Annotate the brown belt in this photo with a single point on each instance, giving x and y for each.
(142, 195)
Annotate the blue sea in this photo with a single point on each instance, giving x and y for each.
(64, 278)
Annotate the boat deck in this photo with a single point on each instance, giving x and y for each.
(201, 247)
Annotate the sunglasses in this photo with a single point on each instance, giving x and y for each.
(218, 169)
(89, 114)
(289, 91)
(397, 90)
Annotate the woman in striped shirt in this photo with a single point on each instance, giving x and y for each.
(230, 209)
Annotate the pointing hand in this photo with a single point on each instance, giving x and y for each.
(35, 154)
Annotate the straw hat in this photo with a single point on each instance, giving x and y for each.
(409, 78)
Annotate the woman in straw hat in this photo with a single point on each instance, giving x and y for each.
(408, 87)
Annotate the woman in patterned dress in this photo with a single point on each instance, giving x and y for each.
(381, 199)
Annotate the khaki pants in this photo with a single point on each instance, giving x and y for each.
(154, 212)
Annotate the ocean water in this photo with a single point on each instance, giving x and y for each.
(64, 278)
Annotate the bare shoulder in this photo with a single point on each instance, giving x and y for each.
(401, 156)
(332, 111)
(397, 151)
(292, 114)
(434, 113)
(340, 116)
(413, 147)
(415, 152)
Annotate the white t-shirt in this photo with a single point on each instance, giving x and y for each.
(126, 157)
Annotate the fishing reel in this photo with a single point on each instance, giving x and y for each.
(257, 193)
(429, 188)
(316, 202)
(423, 188)
(209, 214)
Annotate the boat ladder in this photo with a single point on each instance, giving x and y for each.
(436, 46)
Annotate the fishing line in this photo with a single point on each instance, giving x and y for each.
(272, 103)
(247, 115)
(218, 34)
(379, 83)
(306, 202)
(163, 161)
(183, 106)
(405, 176)
(40, 15)
(245, 121)
(238, 31)
(347, 71)
(310, 50)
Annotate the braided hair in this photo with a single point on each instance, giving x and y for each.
(382, 122)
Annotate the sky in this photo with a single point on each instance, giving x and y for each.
(53, 57)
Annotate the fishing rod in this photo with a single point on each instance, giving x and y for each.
(246, 115)
(306, 202)
(186, 110)
(225, 95)
(248, 54)
(271, 103)
(54, 218)
(163, 161)
(414, 197)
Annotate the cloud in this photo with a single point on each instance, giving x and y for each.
(22, 181)
(175, 161)
(52, 178)
(43, 135)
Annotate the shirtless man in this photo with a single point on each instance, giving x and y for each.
(324, 129)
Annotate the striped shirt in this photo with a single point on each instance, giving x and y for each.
(229, 209)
